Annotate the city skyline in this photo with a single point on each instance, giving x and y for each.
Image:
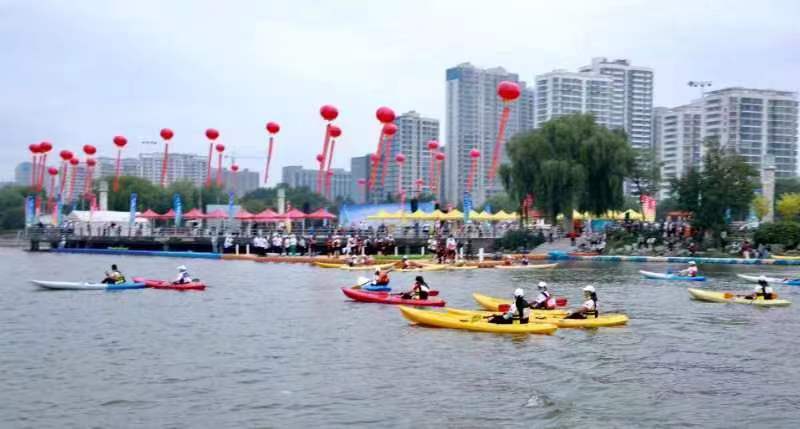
(133, 69)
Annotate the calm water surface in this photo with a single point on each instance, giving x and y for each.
(273, 345)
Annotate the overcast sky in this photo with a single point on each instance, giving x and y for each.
(77, 72)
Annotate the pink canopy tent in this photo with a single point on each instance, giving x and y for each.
(293, 214)
(321, 214)
(244, 215)
(150, 214)
(193, 214)
(266, 215)
(170, 214)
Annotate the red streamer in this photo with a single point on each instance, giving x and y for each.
(63, 172)
(470, 178)
(34, 168)
(326, 142)
(374, 173)
(269, 160)
(164, 165)
(72, 181)
(431, 172)
(499, 142)
(219, 171)
(116, 173)
(208, 170)
(42, 162)
(387, 154)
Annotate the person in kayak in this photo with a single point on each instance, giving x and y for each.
(525, 260)
(763, 290)
(408, 265)
(690, 271)
(545, 300)
(381, 278)
(588, 307)
(520, 309)
(183, 276)
(114, 276)
(419, 291)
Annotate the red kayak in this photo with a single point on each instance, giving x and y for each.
(163, 284)
(387, 298)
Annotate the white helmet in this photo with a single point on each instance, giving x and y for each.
(519, 293)
(589, 289)
(182, 268)
(405, 258)
(692, 263)
(762, 278)
(542, 285)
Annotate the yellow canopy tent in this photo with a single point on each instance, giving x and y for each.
(436, 215)
(454, 214)
(418, 215)
(381, 215)
(473, 215)
(633, 214)
(484, 216)
(502, 215)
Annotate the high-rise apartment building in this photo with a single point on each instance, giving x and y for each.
(241, 183)
(360, 168)
(182, 167)
(297, 177)
(560, 93)
(23, 173)
(631, 98)
(413, 134)
(678, 141)
(106, 167)
(754, 123)
(473, 116)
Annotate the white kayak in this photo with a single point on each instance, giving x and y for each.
(47, 284)
(671, 276)
(771, 280)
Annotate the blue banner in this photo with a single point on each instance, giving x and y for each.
(30, 210)
(467, 206)
(177, 206)
(231, 211)
(132, 219)
(59, 209)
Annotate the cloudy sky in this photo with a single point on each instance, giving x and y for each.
(77, 72)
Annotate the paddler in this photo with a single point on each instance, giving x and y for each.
(588, 307)
(381, 278)
(545, 300)
(762, 291)
(408, 265)
(690, 271)
(183, 276)
(114, 277)
(520, 310)
(525, 260)
(419, 291)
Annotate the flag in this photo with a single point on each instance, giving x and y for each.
(177, 206)
(230, 206)
(30, 210)
(132, 218)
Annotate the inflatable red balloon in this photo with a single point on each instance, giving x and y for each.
(508, 91)
(74, 161)
(273, 127)
(385, 114)
(120, 141)
(390, 129)
(220, 147)
(212, 134)
(89, 149)
(362, 181)
(400, 158)
(65, 155)
(440, 156)
(433, 145)
(335, 131)
(320, 157)
(34, 148)
(167, 134)
(91, 162)
(374, 157)
(45, 147)
(328, 112)
(234, 168)
(52, 171)
(475, 153)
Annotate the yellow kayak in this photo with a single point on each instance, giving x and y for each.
(786, 258)
(470, 323)
(526, 267)
(461, 267)
(421, 269)
(327, 265)
(365, 267)
(728, 297)
(493, 304)
(538, 316)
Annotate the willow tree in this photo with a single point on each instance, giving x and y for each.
(569, 163)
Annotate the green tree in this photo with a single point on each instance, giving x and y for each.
(12, 207)
(789, 206)
(726, 182)
(786, 185)
(760, 206)
(645, 174)
(570, 162)
(268, 197)
(501, 201)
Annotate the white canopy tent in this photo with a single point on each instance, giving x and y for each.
(100, 222)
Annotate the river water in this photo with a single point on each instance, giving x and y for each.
(273, 345)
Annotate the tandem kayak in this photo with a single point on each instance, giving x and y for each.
(86, 285)
(771, 280)
(670, 276)
(163, 284)
(387, 298)
(728, 297)
(526, 267)
(539, 316)
(493, 304)
(472, 323)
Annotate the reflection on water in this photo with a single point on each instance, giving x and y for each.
(278, 345)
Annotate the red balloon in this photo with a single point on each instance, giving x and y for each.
(234, 168)
(433, 145)
(328, 112)
(362, 181)
(320, 157)
(74, 161)
(420, 181)
(374, 157)
(91, 162)
(440, 156)
(389, 129)
(385, 114)
(220, 147)
(52, 170)
(121, 141)
(508, 91)
(273, 127)
(45, 147)
(330, 173)
(212, 134)
(475, 153)
(34, 148)
(65, 155)
(166, 133)
(335, 131)
(400, 158)
(89, 149)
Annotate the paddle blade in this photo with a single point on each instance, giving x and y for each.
(728, 295)
(362, 280)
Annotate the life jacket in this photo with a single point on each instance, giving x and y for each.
(550, 302)
(383, 278)
(763, 293)
(521, 307)
(185, 278)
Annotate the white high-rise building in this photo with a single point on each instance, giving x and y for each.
(631, 98)
(182, 167)
(560, 93)
(755, 123)
(413, 134)
(678, 141)
(296, 176)
(473, 117)
(107, 167)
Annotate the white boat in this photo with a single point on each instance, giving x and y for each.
(526, 267)
(47, 284)
(770, 280)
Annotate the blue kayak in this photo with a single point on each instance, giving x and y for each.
(377, 288)
(123, 286)
(670, 276)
